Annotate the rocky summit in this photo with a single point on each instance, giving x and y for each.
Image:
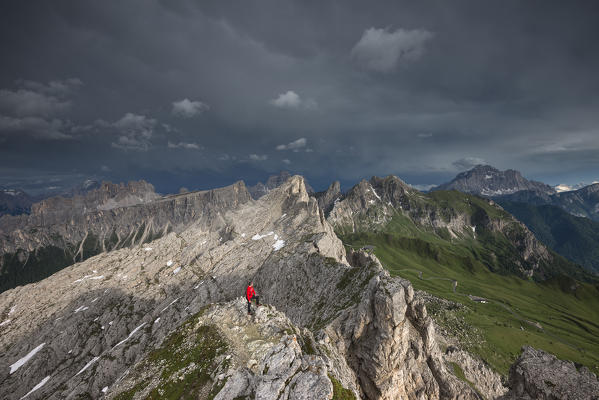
(166, 318)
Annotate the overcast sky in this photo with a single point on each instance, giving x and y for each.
(201, 94)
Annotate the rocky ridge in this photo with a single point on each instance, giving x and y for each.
(101, 317)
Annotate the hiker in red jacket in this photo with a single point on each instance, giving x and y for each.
(250, 294)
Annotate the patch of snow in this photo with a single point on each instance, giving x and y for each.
(105, 389)
(203, 243)
(473, 229)
(276, 237)
(70, 351)
(93, 360)
(148, 249)
(12, 310)
(94, 271)
(94, 300)
(102, 327)
(23, 360)
(172, 302)
(89, 277)
(36, 387)
(278, 244)
(110, 323)
(370, 201)
(82, 279)
(156, 320)
(82, 308)
(283, 216)
(97, 318)
(4, 322)
(488, 176)
(131, 334)
(243, 235)
(177, 270)
(169, 263)
(375, 193)
(257, 236)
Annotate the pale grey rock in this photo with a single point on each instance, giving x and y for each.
(539, 375)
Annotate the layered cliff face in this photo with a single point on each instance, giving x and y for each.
(61, 231)
(388, 203)
(109, 325)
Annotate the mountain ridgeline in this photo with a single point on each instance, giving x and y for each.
(493, 237)
(63, 230)
(510, 185)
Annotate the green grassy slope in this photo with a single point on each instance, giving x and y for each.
(575, 238)
(567, 310)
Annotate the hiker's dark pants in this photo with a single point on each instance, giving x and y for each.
(250, 303)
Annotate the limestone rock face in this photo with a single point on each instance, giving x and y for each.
(539, 375)
(389, 341)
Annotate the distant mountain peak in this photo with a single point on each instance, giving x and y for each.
(485, 180)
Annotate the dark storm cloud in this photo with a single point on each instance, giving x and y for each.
(199, 90)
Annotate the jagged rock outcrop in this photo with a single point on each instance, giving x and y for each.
(61, 231)
(99, 318)
(273, 182)
(541, 376)
(485, 180)
(327, 199)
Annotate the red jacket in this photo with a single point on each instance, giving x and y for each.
(250, 293)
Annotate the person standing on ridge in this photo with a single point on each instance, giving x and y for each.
(250, 294)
